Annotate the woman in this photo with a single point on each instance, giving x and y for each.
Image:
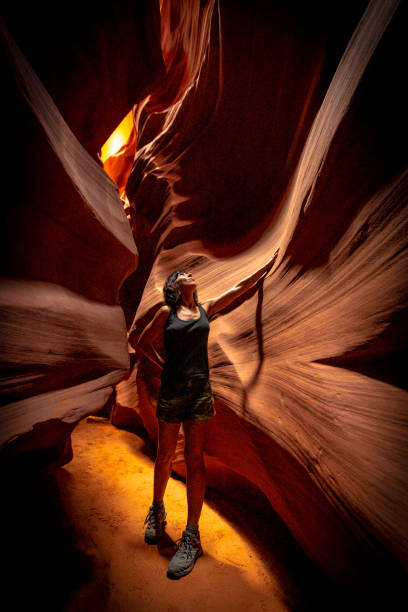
(182, 325)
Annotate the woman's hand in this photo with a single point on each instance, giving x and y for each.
(215, 305)
(269, 265)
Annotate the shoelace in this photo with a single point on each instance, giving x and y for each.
(153, 517)
(186, 546)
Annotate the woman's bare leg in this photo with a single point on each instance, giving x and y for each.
(168, 433)
(195, 437)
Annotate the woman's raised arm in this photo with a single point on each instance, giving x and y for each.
(214, 305)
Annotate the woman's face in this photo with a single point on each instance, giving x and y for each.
(185, 279)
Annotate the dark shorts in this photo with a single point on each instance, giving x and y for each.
(193, 400)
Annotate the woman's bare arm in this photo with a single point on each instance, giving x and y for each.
(214, 305)
(151, 339)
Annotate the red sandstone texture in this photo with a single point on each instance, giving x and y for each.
(278, 143)
(256, 128)
(67, 245)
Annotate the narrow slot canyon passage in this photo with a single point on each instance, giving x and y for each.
(92, 556)
(256, 150)
(108, 487)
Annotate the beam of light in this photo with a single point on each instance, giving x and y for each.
(118, 139)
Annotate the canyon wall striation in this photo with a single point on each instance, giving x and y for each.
(257, 127)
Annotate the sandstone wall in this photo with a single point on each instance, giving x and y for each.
(66, 242)
(287, 134)
(257, 127)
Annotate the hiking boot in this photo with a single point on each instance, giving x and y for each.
(188, 551)
(155, 523)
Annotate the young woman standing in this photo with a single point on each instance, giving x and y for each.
(181, 327)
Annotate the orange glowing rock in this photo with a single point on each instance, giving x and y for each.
(68, 247)
(118, 139)
(240, 164)
(292, 142)
(118, 151)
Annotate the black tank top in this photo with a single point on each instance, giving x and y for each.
(185, 344)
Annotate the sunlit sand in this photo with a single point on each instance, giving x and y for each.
(107, 489)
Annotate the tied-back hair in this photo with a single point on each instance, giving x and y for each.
(171, 291)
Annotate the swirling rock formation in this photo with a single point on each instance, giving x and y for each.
(281, 143)
(257, 126)
(67, 245)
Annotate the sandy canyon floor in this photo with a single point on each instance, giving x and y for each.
(76, 541)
